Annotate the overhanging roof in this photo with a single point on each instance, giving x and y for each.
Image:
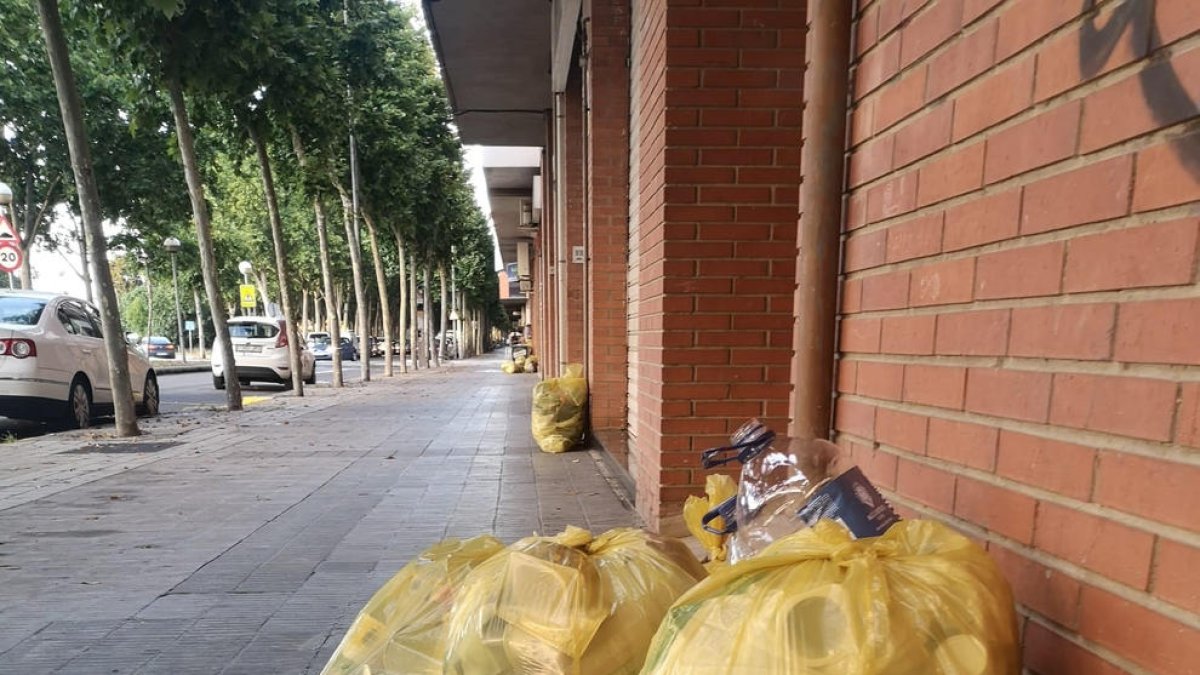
(495, 57)
(510, 175)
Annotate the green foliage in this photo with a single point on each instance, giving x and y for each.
(283, 68)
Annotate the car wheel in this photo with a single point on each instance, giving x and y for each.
(79, 405)
(150, 396)
(312, 379)
(218, 382)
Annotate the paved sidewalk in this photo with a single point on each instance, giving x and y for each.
(249, 543)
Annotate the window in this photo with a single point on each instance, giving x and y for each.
(94, 315)
(77, 321)
(18, 311)
(253, 331)
(66, 322)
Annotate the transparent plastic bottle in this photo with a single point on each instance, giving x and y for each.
(789, 484)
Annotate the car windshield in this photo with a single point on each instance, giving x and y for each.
(159, 341)
(319, 339)
(253, 330)
(18, 311)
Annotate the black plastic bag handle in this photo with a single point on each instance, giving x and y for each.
(723, 510)
(742, 452)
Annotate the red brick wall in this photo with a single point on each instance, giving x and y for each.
(1021, 310)
(608, 212)
(648, 118)
(719, 136)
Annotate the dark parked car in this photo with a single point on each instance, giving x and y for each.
(158, 347)
(349, 350)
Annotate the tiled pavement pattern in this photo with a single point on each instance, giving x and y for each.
(249, 546)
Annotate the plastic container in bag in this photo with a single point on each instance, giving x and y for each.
(402, 628)
(919, 600)
(568, 604)
(789, 484)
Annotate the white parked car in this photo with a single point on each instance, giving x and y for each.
(53, 365)
(260, 349)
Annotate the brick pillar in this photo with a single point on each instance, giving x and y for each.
(549, 225)
(575, 207)
(720, 92)
(608, 211)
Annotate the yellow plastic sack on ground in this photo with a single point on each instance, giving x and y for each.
(717, 488)
(402, 628)
(558, 406)
(568, 604)
(508, 367)
(920, 600)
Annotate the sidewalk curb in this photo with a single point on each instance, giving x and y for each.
(188, 368)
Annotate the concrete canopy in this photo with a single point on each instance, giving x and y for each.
(510, 173)
(495, 57)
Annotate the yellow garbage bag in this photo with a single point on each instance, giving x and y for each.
(402, 627)
(568, 604)
(508, 367)
(717, 488)
(919, 600)
(558, 406)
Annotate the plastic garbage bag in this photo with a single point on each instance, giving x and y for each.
(568, 604)
(558, 407)
(402, 627)
(717, 488)
(508, 367)
(919, 600)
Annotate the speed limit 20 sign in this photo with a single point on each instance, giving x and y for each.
(10, 256)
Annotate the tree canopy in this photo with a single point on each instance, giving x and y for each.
(294, 71)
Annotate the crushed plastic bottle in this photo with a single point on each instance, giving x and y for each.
(789, 484)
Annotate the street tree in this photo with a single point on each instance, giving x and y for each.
(75, 130)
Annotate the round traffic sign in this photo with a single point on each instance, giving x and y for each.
(10, 256)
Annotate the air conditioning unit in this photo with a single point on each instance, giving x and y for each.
(536, 211)
(524, 254)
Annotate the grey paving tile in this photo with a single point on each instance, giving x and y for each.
(249, 547)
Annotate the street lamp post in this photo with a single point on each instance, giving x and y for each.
(172, 245)
(245, 268)
(6, 196)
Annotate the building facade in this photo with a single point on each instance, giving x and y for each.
(1013, 335)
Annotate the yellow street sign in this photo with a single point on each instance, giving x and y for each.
(249, 298)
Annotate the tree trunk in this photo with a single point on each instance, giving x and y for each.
(149, 308)
(26, 266)
(384, 302)
(331, 315)
(304, 325)
(414, 328)
(281, 270)
(349, 220)
(402, 324)
(199, 324)
(208, 262)
(264, 291)
(331, 299)
(28, 232)
(86, 274)
(443, 313)
(89, 204)
(429, 353)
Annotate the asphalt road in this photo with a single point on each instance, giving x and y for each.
(181, 391)
(184, 390)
